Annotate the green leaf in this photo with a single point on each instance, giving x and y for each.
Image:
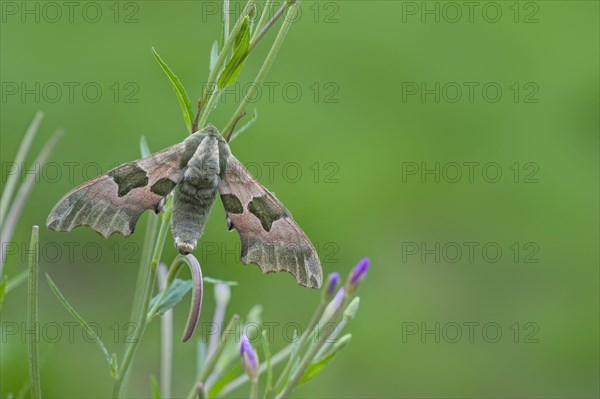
(155, 389)
(214, 54)
(240, 52)
(109, 358)
(184, 101)
(217, 281)
(318, 365)
(174, 295)
(216, 388)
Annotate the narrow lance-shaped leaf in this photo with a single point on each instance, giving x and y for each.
(236, 63)
(184, 101)
(318, 365)
(155, 389)
(110, 359)
(174, 294)
(214, 54)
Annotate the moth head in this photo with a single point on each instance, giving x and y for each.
(211, 130)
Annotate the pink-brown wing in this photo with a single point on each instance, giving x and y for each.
(270, 236)
(114, 201)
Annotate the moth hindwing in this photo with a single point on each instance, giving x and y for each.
(195, 170)
(270, 236)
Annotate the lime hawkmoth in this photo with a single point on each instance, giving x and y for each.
(194, 170)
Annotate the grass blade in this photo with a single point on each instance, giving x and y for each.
(111, 361)
(25, 190)
(9, 284)
(184, 101)
(19, 158)
(34, 360)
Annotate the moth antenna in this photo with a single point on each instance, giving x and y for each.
(230, 132)
(195, 124)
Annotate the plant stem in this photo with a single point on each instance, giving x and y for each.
(225, 20)
(218, 318)
(260, 34)
(211, 83)
(312, 325)
(166, 340)
(263, 18)
(275, 360)
(34, 361)
(254, 389)
(142, 271)
(212, 358)
(148, 285)
(266, 66)
(303, 366)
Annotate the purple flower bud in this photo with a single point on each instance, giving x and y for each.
(332, 284)
(249, 358)
(359, 271)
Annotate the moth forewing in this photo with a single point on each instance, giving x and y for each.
(114, 201)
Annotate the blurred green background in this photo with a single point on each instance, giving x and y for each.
(353, 119)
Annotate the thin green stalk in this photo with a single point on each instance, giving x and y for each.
(260, 34)
(15, 281)
(266, 66)
(306, 361)
(211, 83)
(166, 340)
(174, 269)
(212, 358)
(312, 325)
(148, 285)
(143, 271)
(11, 181)
(263, 18)
(225, 20)
(267, 352)
(34, 361)
(254, 389)
(242, 379)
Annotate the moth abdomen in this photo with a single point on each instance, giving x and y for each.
(196, 193)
